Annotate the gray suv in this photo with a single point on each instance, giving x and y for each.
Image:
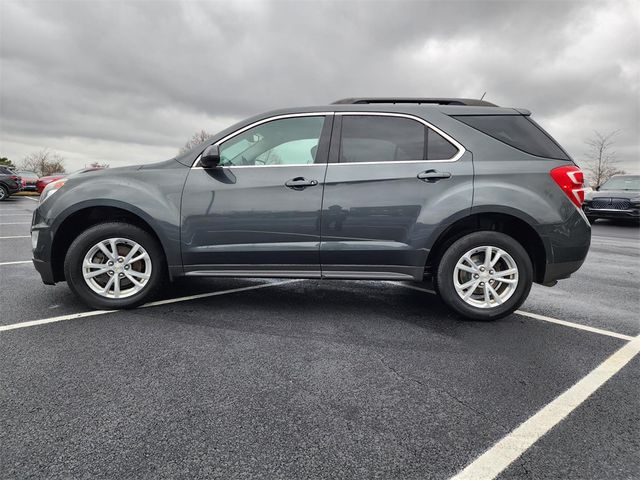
(476, 198)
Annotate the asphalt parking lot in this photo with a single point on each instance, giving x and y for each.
(308, 379)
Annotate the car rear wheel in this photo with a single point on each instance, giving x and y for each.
(115, 265)
(4, 193)
(484, 275)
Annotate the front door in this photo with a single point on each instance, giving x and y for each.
(391, 182)
(258, 213)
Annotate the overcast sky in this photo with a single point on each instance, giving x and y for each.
(129, 82)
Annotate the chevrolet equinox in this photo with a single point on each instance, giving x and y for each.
(476, 198)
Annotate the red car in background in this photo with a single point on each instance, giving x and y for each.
(44, 181)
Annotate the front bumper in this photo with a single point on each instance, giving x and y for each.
(632, 213)
(41, 248)
(45, 270)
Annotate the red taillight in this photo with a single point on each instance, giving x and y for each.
(571, 180)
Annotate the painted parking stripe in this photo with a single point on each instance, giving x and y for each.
(15, 236)
(578, 326)
(495, 460)
(16, 263)
(15, 215)
(544, 318)
(19, 223)
(93, 313)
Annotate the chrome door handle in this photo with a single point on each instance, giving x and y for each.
(300, 183)
(433, 175)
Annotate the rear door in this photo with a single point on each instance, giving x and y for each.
(393, 179)
(258, 213)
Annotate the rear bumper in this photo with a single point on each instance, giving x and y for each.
(559, 271)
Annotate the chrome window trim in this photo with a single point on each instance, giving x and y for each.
(458, 145)
(260, 122)
(456, 157)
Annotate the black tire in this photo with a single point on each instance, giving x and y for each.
(90, 237)
(446, 268)
(4, 193)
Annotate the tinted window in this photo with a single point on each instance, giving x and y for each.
(439, 148)
(518, 131)
(290, 141)
(369, 138)
(5, 171)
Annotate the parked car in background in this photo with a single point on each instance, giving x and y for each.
(617, 198)
(29, 180)
(47, 179)
(10, 183)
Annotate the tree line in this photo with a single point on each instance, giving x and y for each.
(44, 162)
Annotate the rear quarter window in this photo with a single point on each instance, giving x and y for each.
(517, 131)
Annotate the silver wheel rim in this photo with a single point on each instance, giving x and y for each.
(116, 268)
(485, 277)
(2, 193)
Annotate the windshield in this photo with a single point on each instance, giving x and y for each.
(622, 183)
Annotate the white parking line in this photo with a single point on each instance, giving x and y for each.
(15, 236)
(544, 318)
(32, 199)
(20, 223)
(75, 316)
(587, 328)
(16, 263)
(15, 215)
(495, 460)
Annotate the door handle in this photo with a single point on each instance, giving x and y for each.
(300, 183)
(433, 176)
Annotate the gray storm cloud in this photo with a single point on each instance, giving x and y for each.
(129, 82)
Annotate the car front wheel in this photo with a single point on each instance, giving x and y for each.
(484, 275)
(115, 265)
(4, 193)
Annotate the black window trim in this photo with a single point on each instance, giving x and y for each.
(334, 161)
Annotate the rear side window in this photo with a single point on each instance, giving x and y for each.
(378, 138)
(518, 131)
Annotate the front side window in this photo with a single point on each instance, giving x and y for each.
(379, 138)
(288, 141)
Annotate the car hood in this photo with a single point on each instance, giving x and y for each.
(629, 194)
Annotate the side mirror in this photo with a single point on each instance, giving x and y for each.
(210, 157)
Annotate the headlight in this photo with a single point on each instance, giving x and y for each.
(52, 188)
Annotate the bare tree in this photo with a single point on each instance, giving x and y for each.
(43, 163)
(601, 158)
(98, 165)
(195, 139)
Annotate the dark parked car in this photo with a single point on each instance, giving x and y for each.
(617, 198)
(478, 198)
(29, 180)
(10, 183)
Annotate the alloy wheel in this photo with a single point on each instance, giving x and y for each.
(485, 277)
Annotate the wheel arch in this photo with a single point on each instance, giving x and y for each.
(516, 225)
(85, 215)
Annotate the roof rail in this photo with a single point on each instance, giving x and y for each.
(419, 101)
